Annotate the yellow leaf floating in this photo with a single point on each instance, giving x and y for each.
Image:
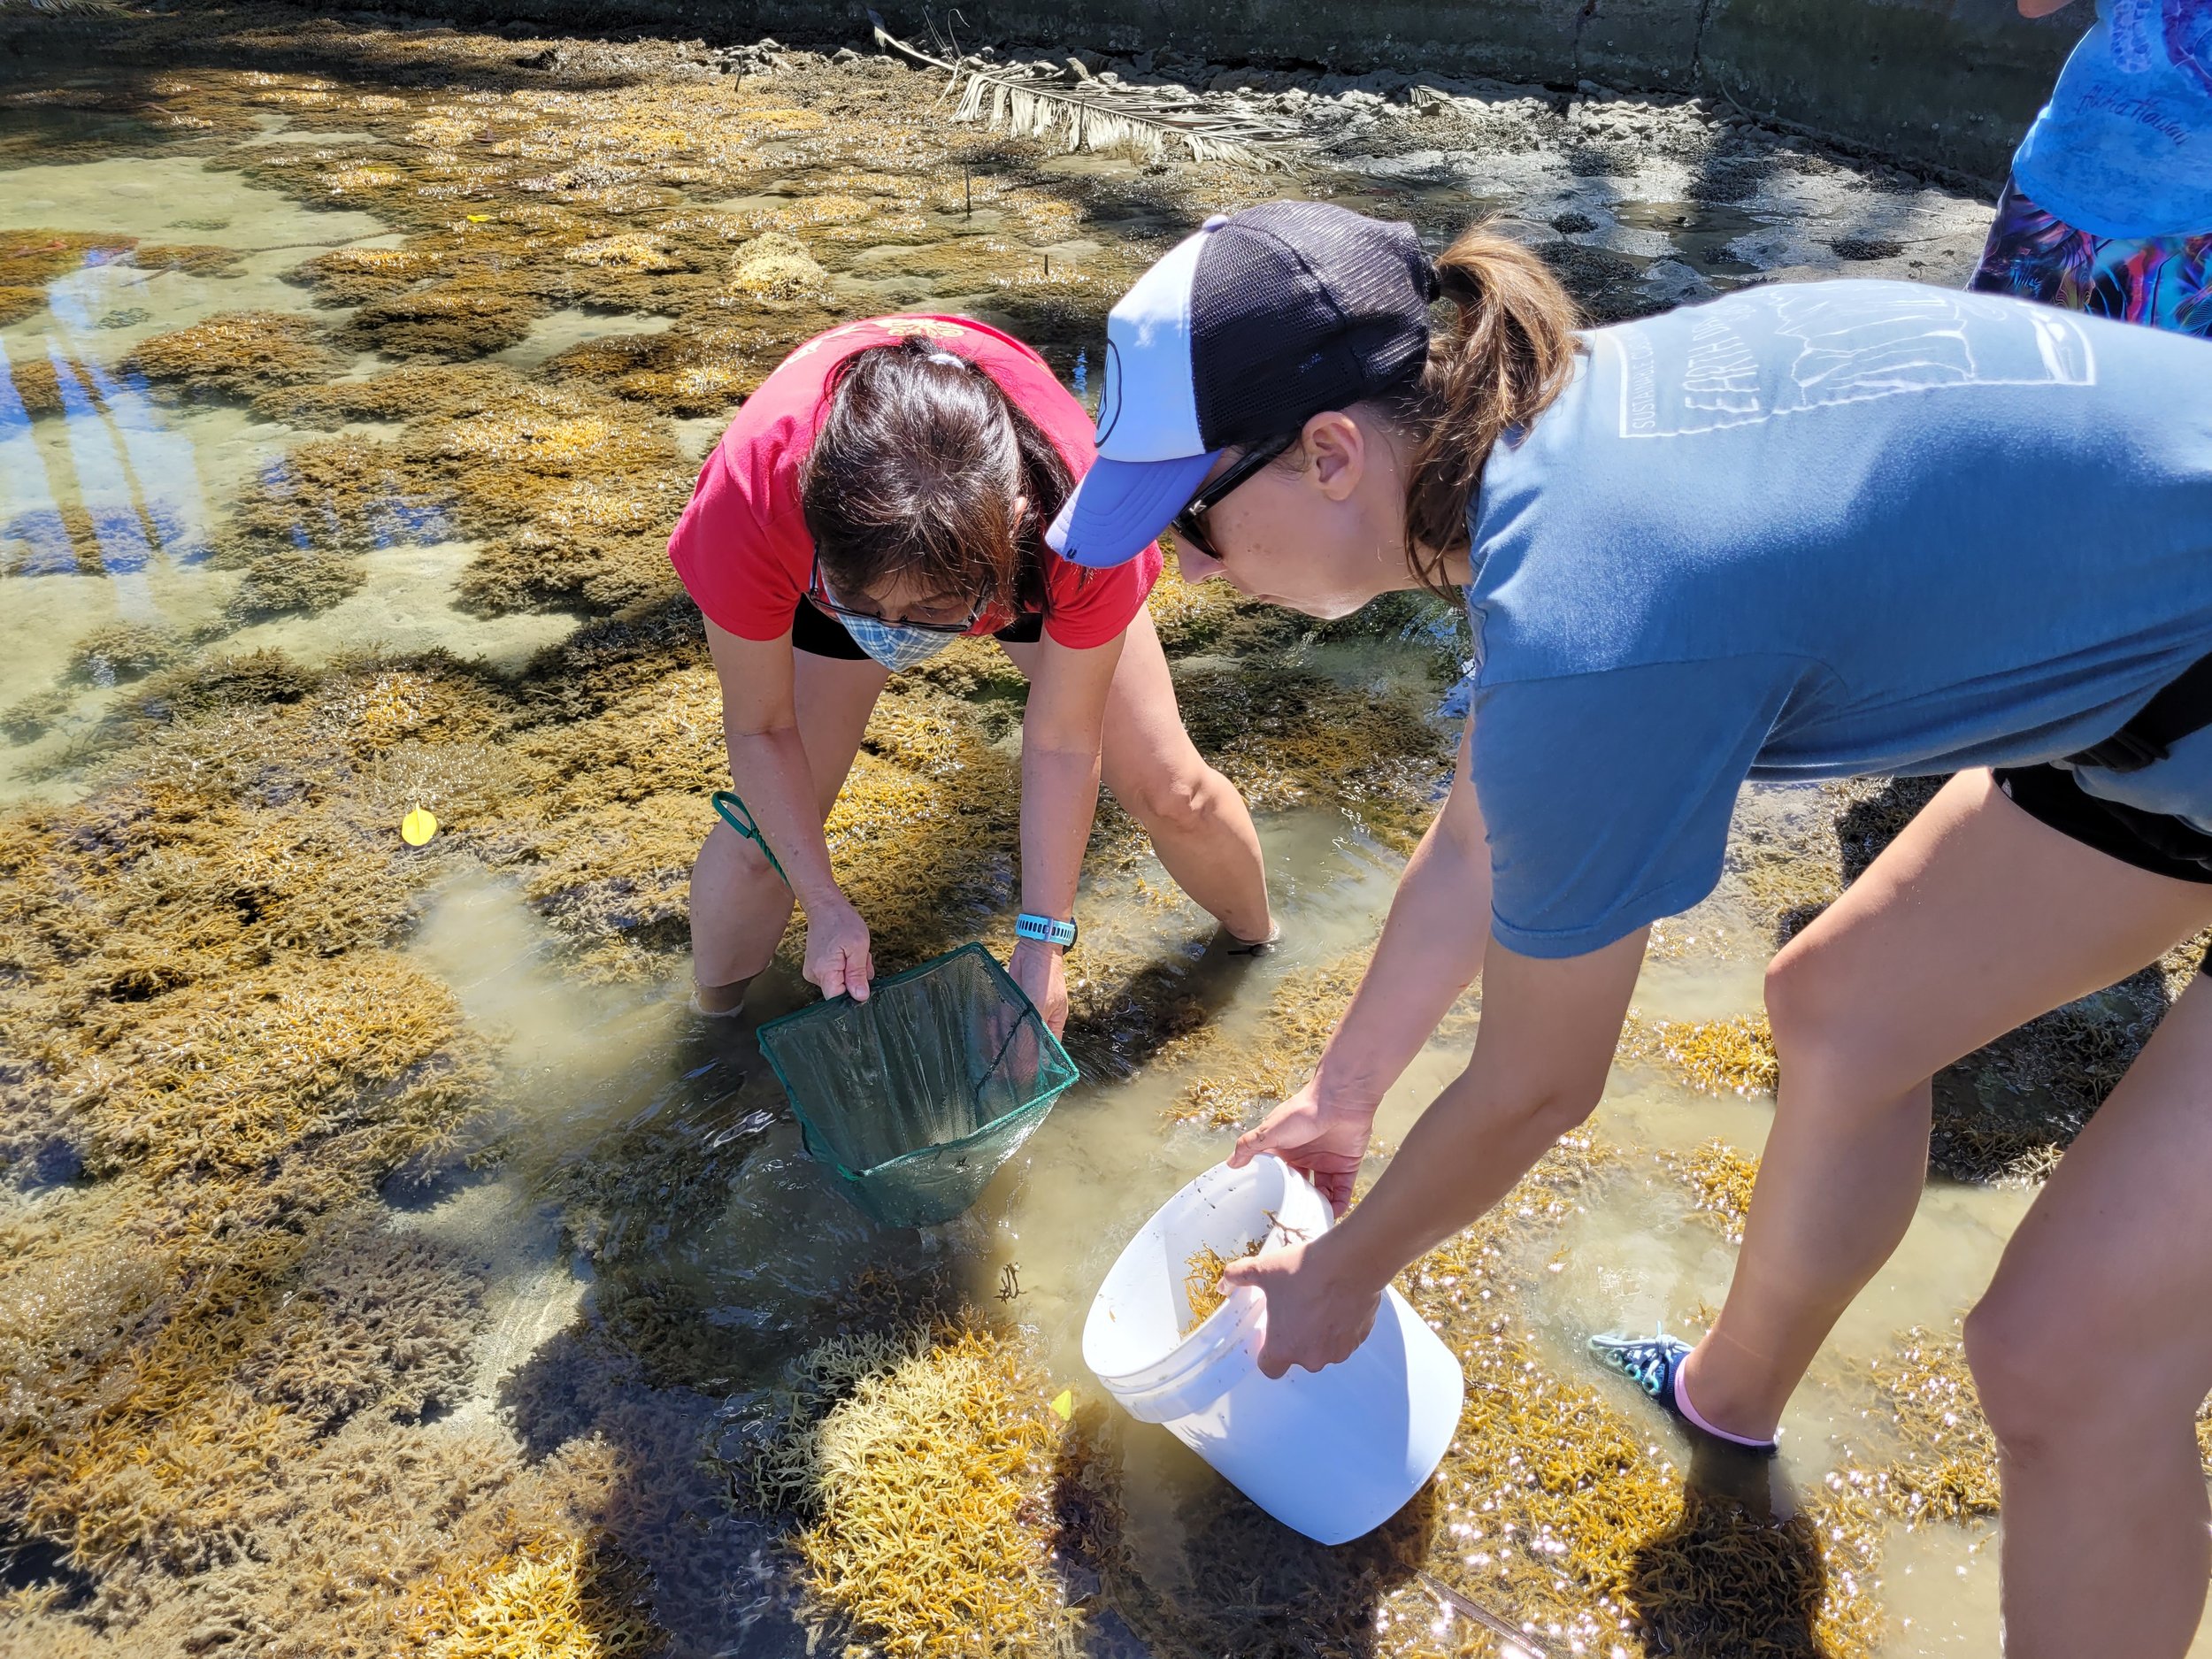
(1064, 1403)
(417, 827)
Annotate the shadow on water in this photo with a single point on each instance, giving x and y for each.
(715, 1575)
(46, 133)
(1727, 1579)
(1189, 1566)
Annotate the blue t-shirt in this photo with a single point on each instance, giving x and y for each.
(2124, 146)
(1817, 530)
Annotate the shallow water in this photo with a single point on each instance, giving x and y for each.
(153, 478)
(631, 1172)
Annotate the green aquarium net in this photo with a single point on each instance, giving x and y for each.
(913, 1098)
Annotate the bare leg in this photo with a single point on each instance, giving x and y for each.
(739, 905)
(1199, 824)
(1976, 918)
(2091, 1353)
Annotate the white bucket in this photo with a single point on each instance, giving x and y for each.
(1334, 1453)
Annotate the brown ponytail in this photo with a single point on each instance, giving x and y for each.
(914, 473)
(1508, 352)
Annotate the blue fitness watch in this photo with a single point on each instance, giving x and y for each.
(1044, 930)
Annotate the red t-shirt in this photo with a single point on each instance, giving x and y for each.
(742, 547)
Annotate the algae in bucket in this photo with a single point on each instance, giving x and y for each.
(1334, 1453)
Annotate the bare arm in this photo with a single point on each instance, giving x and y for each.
(1430, 950)
(2042, 8)
(1549, 1031)
(1062, 730)
(769, 765)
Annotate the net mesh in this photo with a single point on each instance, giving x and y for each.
(914, 1098)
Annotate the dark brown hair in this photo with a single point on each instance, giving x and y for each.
(914, 474)
(1507, 353)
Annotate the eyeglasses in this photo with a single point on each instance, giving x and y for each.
(1189, 525)
(818, 591)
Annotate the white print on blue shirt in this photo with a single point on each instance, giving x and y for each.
(1851, 348)
(1982, 536)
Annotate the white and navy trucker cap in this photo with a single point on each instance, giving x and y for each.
(1245, 331)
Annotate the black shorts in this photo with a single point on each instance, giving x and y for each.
(2149, 840)
(818, 634)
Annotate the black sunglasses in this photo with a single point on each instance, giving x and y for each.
(1189, 525)
(818, 591)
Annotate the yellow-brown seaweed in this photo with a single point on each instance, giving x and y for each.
(1201, 1280)
(237, 356)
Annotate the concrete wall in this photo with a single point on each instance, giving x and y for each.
(1948, 83)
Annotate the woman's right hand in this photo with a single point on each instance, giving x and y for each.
(1322, 1137)
(837, 955)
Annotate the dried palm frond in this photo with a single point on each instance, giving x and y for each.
(1091, 115)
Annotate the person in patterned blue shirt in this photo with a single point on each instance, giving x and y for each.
(2110, 206)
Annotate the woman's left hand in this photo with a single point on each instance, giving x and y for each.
(1319, 1308)
(1040, 971)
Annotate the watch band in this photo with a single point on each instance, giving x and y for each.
(1045, 930)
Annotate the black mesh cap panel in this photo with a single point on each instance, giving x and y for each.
(1300, 306)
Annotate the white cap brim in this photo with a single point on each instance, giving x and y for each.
(1120, 507)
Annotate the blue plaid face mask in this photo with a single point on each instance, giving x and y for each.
(893, 644)
(896, 645)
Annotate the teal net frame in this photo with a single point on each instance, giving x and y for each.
(913, 1099)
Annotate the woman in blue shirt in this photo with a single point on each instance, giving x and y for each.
(1802, 530)
(2110, 206)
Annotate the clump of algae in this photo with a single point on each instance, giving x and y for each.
(1201, 1280)
(236, 356)
(411, 392)
(191, 259)
(1720, 1179)
(1234, 1077)
(350, 276)
(297, 529)
(630, 249)
(1287, 737)
(1927, 1421)
(1712, 1056)
(452, 319)
(773, 266)
(1235, 1080)
(921, 1466)
(1944, 1462)
(560, 1599)
(685, 371)
(39, 383)
(120, 651)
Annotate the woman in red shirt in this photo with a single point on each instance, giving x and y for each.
(886, 491)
